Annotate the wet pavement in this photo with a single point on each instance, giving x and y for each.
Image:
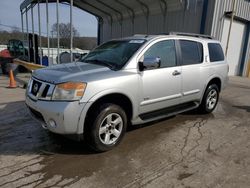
(186, 150)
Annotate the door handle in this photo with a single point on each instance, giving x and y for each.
(176, 72)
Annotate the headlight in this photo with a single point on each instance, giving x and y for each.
(28, 86)
(69, 91)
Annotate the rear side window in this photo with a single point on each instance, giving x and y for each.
(215, 52)
(192, 52)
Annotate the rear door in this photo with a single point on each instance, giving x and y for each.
(191, 53)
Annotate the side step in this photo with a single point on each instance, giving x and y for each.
(166, 112)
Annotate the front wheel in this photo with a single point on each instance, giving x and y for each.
(106, 127)
(210, 99)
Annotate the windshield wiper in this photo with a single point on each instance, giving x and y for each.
(102, 63)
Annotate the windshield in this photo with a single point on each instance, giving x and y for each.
(114, 54)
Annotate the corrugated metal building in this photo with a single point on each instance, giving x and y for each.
(121, 18)
(239, 44)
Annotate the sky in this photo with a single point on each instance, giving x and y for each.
(85, 23)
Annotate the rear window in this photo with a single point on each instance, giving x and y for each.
(215, 52)
(192, 52)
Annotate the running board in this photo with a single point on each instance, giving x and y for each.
(170, 111)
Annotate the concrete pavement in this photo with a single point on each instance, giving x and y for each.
(186, 150)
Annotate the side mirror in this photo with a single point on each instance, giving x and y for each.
(150, 63)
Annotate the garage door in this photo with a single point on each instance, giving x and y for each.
(236, 43)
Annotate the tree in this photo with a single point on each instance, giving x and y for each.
(64, 33)
(15, 29)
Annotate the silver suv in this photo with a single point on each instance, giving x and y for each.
(128, 81)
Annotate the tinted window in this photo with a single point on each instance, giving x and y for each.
(164, 50)
(215, 52)
(192, 52)
(114, 53)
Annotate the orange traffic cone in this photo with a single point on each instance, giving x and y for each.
(12, 80)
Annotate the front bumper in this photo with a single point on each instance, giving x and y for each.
(68, 116)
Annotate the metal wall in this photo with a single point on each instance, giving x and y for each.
(155, 18)
(242, 13)
(121, 18)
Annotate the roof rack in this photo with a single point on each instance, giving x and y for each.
(140, 35)
(191, 35)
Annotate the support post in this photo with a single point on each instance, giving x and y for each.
(27, 32)
(22, 30)
(39, 28)
(58, 36)
(47, 23)
(33, 35)
(22, 21)
(71, 31)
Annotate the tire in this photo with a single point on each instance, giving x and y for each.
(105, 127)
(209, 100)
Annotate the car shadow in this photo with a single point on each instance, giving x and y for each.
(247, 108)
(52, 154)
(20, 134)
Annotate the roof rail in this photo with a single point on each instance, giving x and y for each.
(140, 35)
(191, 35)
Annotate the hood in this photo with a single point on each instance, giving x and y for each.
(77, 71)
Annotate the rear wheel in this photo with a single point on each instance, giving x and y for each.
(210, 99)
(106, 127)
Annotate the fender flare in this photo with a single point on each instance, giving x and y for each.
(97, 96)
(208, 80)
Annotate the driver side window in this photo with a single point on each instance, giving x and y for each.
(165, 50)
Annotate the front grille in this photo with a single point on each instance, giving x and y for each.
(40, 90)
(35, 87)
(36, 114)
(45, 91)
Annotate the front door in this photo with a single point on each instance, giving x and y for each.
(161, 87)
